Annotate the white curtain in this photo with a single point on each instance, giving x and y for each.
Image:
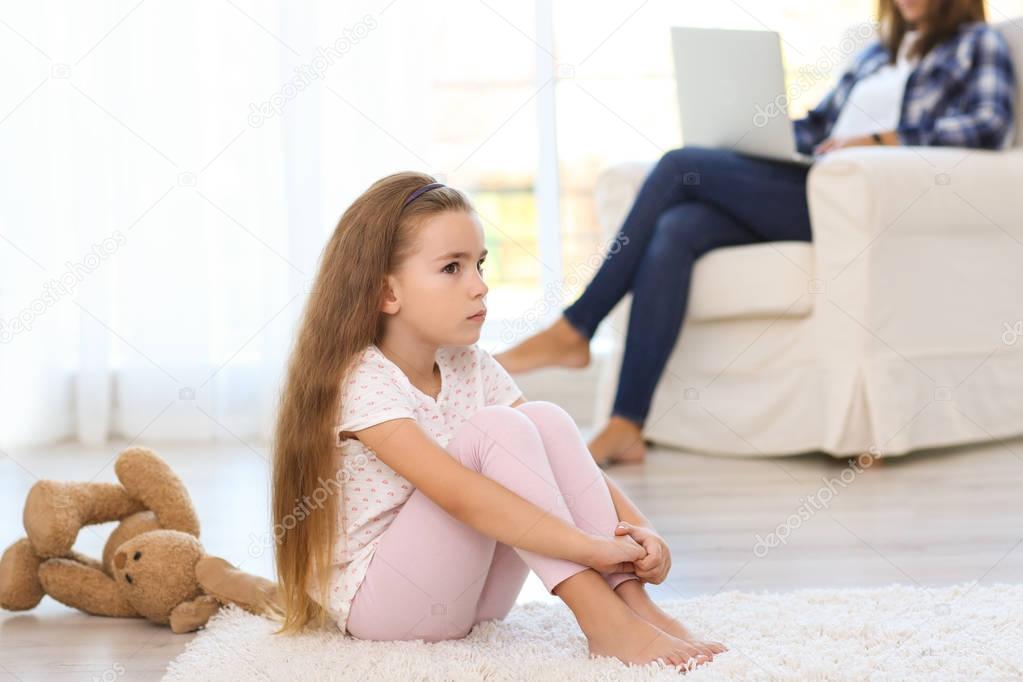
(172, 172)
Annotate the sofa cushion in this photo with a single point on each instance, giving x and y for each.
(768, 279)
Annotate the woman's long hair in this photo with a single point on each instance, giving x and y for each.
(940, 22)
(341, 318)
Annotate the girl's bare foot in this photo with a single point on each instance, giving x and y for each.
(631, 639)
(612, 628)
(621, 441)
(634, 594)
(560, 345)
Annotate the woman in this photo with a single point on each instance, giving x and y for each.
(938, 75)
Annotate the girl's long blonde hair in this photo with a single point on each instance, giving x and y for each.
(341, 318)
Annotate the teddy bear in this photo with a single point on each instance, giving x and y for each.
(153, 565)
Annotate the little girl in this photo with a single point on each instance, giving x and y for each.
(434, 486)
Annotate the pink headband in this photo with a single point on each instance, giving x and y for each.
(425, 188)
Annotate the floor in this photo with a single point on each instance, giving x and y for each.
(930, 518)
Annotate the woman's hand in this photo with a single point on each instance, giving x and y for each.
(831, 144)
(614, 554)
(654, 567)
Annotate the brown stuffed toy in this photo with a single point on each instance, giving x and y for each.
(153, 564)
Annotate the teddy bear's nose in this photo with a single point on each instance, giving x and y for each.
(119, 559)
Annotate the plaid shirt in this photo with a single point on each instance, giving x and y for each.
(960, 94)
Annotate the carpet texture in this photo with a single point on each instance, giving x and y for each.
(899, 632)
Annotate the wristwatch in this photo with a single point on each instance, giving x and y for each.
(877, 138)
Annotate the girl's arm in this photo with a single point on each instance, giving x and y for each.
(627, 510)
(476, 500)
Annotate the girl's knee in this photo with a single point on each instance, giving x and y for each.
(544, 411)
(494, 418)
(493, 427)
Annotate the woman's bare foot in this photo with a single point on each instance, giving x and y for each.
(621, 441)
(560, 345)
(634, 594)
(631, 639)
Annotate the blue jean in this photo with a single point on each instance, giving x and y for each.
(694, 200)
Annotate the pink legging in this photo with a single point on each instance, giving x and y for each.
(433, 577)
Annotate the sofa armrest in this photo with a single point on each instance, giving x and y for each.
(870, 190)
(917, 250)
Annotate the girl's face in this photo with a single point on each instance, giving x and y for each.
(438, 294)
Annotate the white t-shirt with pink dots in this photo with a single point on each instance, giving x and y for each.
(375, 391)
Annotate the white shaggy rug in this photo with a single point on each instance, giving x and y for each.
(893, 633)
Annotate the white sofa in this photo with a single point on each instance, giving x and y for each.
(899, 327)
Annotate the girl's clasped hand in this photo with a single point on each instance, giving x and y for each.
(633, 549)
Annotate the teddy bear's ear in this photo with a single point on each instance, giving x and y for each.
(129, 527)
(148, 478)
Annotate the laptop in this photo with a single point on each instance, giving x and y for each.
(731, 92)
